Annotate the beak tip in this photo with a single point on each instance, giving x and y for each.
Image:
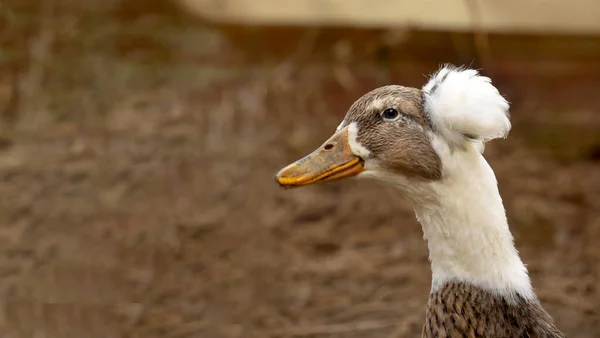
(278, 179)
(286, 178)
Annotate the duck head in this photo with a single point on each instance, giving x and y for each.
(408, 135)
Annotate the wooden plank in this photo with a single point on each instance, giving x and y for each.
(503, 16)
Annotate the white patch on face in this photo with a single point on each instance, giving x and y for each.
(340, 126)
(377, 105)
(357, 148)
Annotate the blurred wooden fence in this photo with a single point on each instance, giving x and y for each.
(501, 16)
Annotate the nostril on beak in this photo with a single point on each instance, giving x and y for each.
(328, 146)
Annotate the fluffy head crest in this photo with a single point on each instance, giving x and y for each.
(465, 105)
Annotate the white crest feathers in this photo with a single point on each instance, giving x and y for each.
(465, 105)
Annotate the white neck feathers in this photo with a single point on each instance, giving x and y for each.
(467, 230)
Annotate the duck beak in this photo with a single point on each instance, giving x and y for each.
(331, 161)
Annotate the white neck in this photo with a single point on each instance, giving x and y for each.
(467, 230)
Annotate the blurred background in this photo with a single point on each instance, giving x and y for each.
(138, 143)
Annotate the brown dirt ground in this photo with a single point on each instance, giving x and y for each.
(137, 154)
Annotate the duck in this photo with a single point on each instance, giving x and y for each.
(428, 143)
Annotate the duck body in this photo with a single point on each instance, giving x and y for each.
(462, 310)
(429, 143)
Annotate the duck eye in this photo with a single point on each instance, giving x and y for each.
(390, 114)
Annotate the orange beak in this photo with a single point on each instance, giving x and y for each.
(331, 161)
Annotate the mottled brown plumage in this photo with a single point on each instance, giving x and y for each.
(463, 310)
(403, 145)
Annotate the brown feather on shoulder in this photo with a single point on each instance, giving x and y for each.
(463, 310)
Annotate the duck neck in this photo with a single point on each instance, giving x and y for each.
(468, 236)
